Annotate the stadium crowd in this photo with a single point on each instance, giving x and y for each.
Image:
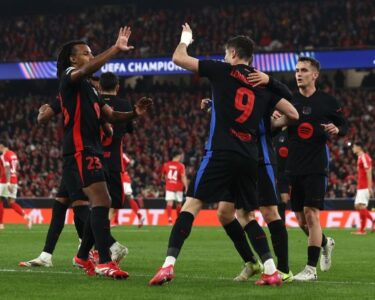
(175, 122)
(282, 25)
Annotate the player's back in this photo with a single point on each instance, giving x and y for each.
(173, 171)
(237, 107)
(112, 146)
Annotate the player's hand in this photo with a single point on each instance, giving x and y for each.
(10, 188)
(123, 39)
(186, 34)
(276, 115)
(143, 105)
(258, 78)
(371, 192)
(206, 104)
(43, 108)
(330, 128)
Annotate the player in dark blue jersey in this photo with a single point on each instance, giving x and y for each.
(228, 171)
(82, 150)
(308, 160)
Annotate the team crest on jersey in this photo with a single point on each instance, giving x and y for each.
(306, 110)
(305, 130)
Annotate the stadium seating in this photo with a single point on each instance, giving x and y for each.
(281, 25)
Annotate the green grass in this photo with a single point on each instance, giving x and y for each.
(204, 269)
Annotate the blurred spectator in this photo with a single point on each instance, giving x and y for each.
(368, 80)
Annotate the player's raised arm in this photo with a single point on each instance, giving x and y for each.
(180, 56)
(82, 53)
(140, 108)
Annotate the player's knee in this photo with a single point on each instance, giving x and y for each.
(225, 217)
(244, 217)
(312, 217)
(192, 206)
(270, 213)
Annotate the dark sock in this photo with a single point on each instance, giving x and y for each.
(101, 230)
(80, 216)
(313, 253)
(87, 239)
(281, 208)
(56, 226)
(258, 239)
(279, 237)
(236, 233)
(179, 233)
(324, 240)
(111, 240)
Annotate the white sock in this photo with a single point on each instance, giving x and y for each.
(169, 260)
(114, 246)
(45, 256)
(269, 266)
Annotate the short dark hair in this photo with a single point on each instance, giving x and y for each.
(358, 143)
(314, 62)
(176, 153)
(108, 81)
(63, 58)
(243, 45)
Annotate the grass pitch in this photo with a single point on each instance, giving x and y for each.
(205, 268)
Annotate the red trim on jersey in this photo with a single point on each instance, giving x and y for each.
(78, 158)
(77, 137)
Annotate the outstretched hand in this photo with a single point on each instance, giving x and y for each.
(43, 108)
(186, 34)
(123, 39)
(143, 105)
(206, 104)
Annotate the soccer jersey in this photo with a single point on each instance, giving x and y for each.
(9, 160)
(364, 163)
(308, 151)
(125, 161)
(266, 149)
(281, 147)
(237, 107)
(81, 107)
(3, 178)
(112, 146)
(173, 172)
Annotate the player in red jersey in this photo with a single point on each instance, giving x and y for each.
(9, 183)
(364, 186)
(175, 184)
